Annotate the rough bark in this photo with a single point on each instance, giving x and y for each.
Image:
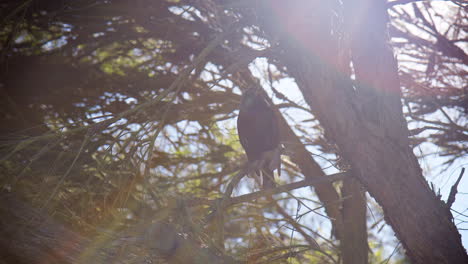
(354, 247)
(366, 121)
(421, 221)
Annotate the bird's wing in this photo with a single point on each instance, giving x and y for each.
(242, 129)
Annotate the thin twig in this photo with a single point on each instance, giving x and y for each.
(284, 188)
(225, 202)
(453, 190)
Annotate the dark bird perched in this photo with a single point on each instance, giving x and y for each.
(258, 132)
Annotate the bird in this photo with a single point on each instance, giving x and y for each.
(258, 132)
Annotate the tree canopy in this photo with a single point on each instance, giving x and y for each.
(118, 131)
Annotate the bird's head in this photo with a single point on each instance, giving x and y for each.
(249, 98)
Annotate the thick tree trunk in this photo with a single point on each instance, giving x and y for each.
(354, 246)
(366, 121)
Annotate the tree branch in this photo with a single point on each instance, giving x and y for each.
(285, 188)
(453, 190)
(28, 235)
